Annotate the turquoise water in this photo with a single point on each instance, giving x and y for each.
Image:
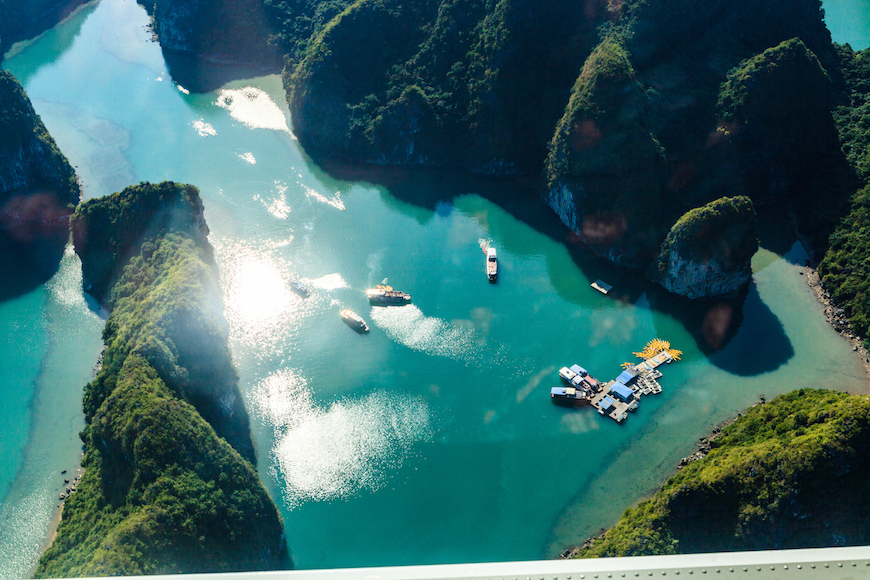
(849, 22)
(431, 439)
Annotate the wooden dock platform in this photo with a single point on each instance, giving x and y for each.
(644, 383)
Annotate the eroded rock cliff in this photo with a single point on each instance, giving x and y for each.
(708, 251)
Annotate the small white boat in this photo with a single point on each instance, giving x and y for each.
(491, 264)
(354, 320)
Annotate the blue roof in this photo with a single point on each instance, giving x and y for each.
(621, 390)
(579, 370)
(606, 403)
(626, 376)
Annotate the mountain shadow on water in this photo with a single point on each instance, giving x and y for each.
(712, 323)
(27, 266)
(765, 346)
(200, 75)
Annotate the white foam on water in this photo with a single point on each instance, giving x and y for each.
(409, 326)
(334, 201)
(329, 282)
(249, 157)
(203, 128)
(279, 208)
(65, 287)
(343, 449)
(254, 108)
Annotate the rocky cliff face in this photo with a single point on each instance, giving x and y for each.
(30, 161)
(169, 483)
(708, 251)
(227, 31)
(776, 115)
(38, 191)
(444, 82)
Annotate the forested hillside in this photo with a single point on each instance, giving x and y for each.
(784, 475)
(38, 191)
(845, 270)
(169, 485)
(633, 113)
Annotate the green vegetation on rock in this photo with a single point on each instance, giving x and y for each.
(605, 162)
(776, 109)
(845, 269)
(677, 104)
(38, 191)
(708, 252)
(783, 475)
(168, 485)
(464, 82)
(30, 161)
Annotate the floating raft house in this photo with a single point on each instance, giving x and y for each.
(623, 393)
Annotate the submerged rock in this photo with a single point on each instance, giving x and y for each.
(708, 251)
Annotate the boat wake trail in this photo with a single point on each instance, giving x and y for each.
(326, 453)
(409, 326)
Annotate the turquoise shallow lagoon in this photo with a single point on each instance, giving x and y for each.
(432, 439)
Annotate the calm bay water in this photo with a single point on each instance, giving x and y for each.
(432, 439)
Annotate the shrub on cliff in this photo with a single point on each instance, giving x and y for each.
(783, 475)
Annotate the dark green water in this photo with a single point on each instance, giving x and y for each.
(432, 439)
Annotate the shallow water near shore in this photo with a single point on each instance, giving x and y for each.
(431, 439)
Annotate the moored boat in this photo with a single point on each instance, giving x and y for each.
(300, 289)
(354, 320)
(569, 396)
(491, 264)
(386, 296)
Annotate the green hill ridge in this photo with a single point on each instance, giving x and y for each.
(169, 485)
(786, 474)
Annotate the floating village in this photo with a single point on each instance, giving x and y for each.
(616, 398)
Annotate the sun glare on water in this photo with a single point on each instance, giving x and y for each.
(257, 297)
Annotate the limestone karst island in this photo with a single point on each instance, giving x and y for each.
(338, 284)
